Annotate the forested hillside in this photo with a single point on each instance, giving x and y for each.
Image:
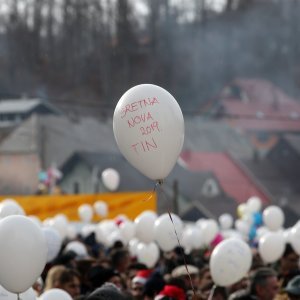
(83, 55)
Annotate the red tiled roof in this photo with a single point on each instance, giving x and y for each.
(263, 106)
(233, 180)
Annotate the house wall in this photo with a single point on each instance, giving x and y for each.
(19, 173)
(286, 159)
(81, 175)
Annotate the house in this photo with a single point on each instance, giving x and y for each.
(14, 111)
(257, 108)
(278, 172)
(82, 173)
(234, 180)
(40, 142)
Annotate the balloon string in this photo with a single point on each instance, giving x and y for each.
(183, 255)
(18, 296)
(212, 292)
(157, 183)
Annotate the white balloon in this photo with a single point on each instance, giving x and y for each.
(36, 220)
(132, 247)
(27, 295)
(111, 178)
(115, 236)
(9, 208)
(23, 253)
(101, 208)
(85, 212)
(192, 238)
(167, 231)
(87, 229)
(226, 221)
(295, 238)
(144, 226)
(261, 231)
(127, 230)
(54, 242)
(230, 261)
(60, 222)
(242, 226)
(71, 232)
(209, 230)
(273, 217)
(149, 129)
(254, 204)
(271, 246)
(55, 294)
(148, 254)
(77, 247)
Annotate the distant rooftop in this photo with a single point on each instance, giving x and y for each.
(22, 105)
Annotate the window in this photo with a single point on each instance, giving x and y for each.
(210, 188)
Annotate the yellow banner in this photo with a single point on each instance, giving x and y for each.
(129, 204)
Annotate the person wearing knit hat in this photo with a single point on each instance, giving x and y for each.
(108, 291)
(138, 282)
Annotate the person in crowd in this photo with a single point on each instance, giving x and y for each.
(293, 288)
(190, 275)
(52, 276)
(65, 279)
(98, 275)
(132, 270)
(108, 291)
(138, 283)
(175, 289)
(205, 279)
(288, 265)
(154, 284)
(264, 285)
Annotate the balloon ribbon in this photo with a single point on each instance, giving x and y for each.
(183, 256)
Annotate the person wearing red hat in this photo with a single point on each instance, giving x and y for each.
(138, 283)
(171, 292)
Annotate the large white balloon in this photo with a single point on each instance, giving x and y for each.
(144, 226)
(110, 178)
(167, 231)
(148, 254)
(271, 246)
(23, 253)
(55, 294)
(230, 261)
(85, 212)
(149, 129)
(27, 295)
(273, 217)
(101, 208)
(54, 242)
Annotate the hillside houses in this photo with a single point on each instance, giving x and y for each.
(224, 159)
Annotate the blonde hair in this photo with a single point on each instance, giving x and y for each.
(53, 275)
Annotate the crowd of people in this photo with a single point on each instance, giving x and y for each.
(112, 273)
